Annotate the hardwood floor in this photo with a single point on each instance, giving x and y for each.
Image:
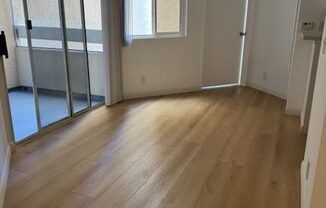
(226, 148)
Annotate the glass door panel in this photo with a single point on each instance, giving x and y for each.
(48, 60)
(21, 94)
(93, 20)
(77, 55)
(60, 62)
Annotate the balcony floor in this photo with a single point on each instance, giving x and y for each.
(53, 107)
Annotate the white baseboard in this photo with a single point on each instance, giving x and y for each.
(292, 112)
(303, 184)
(268, 90)
(4, 177)
(161, 92)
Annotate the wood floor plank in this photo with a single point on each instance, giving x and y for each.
(239, 145)
(222, 109)
(256, 164)
(255, 174)
(289, 152)
(114, 168)
(277, 195)
(40, 179)
(160, 181)
(218, 187)
(16, 177)
(58, 187)
(71, 200)
(230, 148)
(185, 190)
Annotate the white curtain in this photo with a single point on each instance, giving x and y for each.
(112, 43)
(127, 21)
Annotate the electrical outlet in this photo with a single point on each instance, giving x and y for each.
(265, 76)
(307, 25)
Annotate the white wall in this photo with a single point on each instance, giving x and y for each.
(6, 25)
(315, 132)
(310, 87)
(152, 67)
(179, 59)
(271, 45)
(160, 66)
(311, 10)
(298, 75)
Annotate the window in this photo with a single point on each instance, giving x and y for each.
(158, 18)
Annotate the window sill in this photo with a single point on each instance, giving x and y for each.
(153, 37)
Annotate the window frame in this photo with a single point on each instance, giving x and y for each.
(160, 35)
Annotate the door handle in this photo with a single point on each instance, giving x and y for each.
(3, 45)
(29, 24)
(243, 33)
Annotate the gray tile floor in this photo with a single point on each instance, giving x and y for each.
(52, 108)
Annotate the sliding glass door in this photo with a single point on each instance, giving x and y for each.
(49, 66)
(53, 37)
(21, 95)
(77, 54)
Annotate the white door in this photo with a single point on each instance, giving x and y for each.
(223, 44)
